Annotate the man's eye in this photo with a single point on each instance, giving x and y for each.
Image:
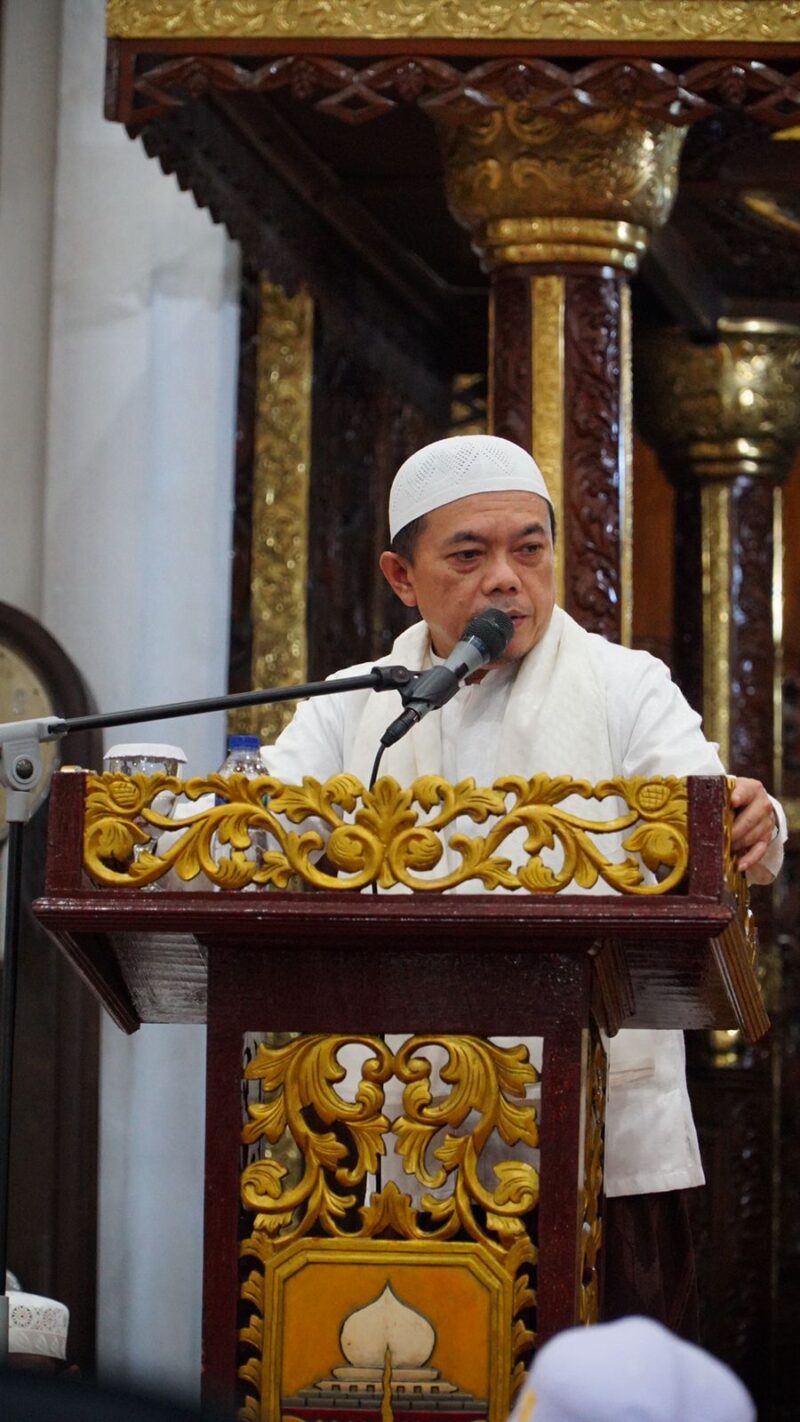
(467, 555)
(532, 547)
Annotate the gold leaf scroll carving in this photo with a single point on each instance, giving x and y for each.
(753, 21)
(441, 1138)
(390, 835)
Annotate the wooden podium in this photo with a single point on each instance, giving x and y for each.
(313, 1248)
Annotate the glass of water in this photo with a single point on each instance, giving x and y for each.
(148, 758)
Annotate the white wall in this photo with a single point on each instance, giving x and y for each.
(29, 58)
(120, 415)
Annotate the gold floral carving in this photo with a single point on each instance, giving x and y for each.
(301, 1080)
(280, 502)
(752, 21)
(592, 1223)
(388, 835)
(548, 305)
(439, 1140)
(512, 173)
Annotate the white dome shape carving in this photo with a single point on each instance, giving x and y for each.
(387, 1323)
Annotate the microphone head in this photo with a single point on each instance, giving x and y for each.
(493, 628)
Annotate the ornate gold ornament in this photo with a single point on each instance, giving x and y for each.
(280, 502)
(485, 1079)
(512, 173)
(725, 409)
(388, 835)
(753, 21)
(439, 1141)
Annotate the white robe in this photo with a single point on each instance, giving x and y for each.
(611, 712)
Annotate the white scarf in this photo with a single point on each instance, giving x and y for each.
(555, 722)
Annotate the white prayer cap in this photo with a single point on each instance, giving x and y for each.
(37, 1325)
(633, 1370)
(450, 469)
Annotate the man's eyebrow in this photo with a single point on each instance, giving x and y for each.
(466, 535)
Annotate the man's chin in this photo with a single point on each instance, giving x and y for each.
(521, 643)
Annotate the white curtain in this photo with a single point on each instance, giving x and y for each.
(136, 534)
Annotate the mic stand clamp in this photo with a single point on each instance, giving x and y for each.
(396, 679)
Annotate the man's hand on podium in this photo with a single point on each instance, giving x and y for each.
(755, 826)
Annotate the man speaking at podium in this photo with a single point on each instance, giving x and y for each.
(472, 528)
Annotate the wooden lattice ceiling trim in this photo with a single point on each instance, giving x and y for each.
(142, 88)
(677, 22)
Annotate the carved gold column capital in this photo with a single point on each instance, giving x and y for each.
(724, 418)
(725, 409)
(537, 189)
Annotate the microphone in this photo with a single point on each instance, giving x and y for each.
(483, 640)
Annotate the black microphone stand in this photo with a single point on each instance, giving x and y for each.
(20, 772)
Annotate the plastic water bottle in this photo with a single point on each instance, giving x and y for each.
(244, 758)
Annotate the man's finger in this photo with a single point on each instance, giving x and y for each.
(754, 823)
(752, 855)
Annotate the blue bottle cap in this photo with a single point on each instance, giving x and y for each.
(243, 743)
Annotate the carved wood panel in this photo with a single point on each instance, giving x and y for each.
(752, 648)
(732, 1217)
(363, 427)
(510, 384)
(592, 438)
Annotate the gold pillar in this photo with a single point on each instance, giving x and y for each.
(724, 419)
(559, 212)
(281, 473)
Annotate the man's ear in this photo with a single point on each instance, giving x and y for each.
(399, 575)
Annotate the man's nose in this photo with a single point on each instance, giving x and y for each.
(501, 575)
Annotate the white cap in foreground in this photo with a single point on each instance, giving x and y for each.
(633, 1370)
(37, 1325)
(451, 469)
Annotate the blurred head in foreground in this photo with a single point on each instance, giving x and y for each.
(633, 1370)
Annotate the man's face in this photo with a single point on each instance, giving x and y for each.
(487, 550)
